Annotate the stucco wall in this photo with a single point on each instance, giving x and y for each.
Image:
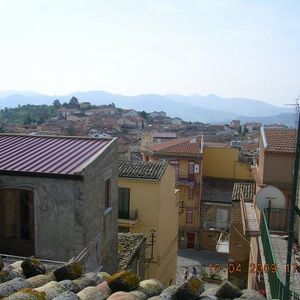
(96, 218)
(278, 168)
(168, 228)
(157, 209)
(223, 163)
(59, 234)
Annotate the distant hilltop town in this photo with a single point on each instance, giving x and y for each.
(84, 119)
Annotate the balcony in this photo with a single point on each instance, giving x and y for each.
(249, 219)
(128, 214)
(128, 218)
(216, 225)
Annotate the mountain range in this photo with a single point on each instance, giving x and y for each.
(207, 109)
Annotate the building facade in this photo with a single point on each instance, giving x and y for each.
(262, 233)
(185, 155)
(147, 204)
(58, 196)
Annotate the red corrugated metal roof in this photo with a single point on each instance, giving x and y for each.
(47, 154)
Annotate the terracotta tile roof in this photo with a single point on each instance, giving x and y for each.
(128, 245)
(142, 169)
(181, 146)
(47, 154)
(279, 139)
(69, 281)
(242, 190)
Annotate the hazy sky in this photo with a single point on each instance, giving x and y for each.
(229, 48)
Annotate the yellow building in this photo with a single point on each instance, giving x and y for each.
(147, 204)
(185, 155)
(222, 167)
(221, 161)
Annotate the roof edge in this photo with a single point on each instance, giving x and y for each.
(95, 156)
(165, 163)
(45, 175)
(264, 139)
(54, 136)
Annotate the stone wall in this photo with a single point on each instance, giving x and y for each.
(57, 214)
(69, 213)
(239, 249)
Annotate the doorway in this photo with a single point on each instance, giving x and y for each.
(190, 240)
(17, 222)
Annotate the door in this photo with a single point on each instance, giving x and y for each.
(16, 222)
(190, 240)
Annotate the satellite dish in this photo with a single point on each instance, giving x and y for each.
(270, 196)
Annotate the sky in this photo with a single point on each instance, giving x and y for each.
(230, 48)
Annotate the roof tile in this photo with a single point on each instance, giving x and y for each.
(182, 146)
(245, 190)
(142, 169)
(280, 139)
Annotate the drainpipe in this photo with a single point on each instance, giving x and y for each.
(292, 214)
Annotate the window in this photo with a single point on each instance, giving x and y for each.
(189, 216)
(191, 168)
(124, 203)
(191, 192)
(175, 164)
(107, 194)
(222, 218)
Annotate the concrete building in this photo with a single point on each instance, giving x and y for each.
(221, 169)
(147, 204)
(215, 214)
(274, 166)
(261, 237)
(222, 161)
(156, 137)
(58, 196)
(185, 155)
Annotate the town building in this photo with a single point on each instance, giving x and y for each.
(156, 137)
(274, 166)
(185, 155)
(222, 167)
(262, 234)
(235, 124)
(58, 197)
(146, 200)
(156, 114)
(215, 214)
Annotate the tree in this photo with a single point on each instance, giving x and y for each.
(56, 104)
(74, 103)
(28, 120)
(143, 115)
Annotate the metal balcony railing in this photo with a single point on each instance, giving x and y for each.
(216, 225)
(276, 283)
(128, 214)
